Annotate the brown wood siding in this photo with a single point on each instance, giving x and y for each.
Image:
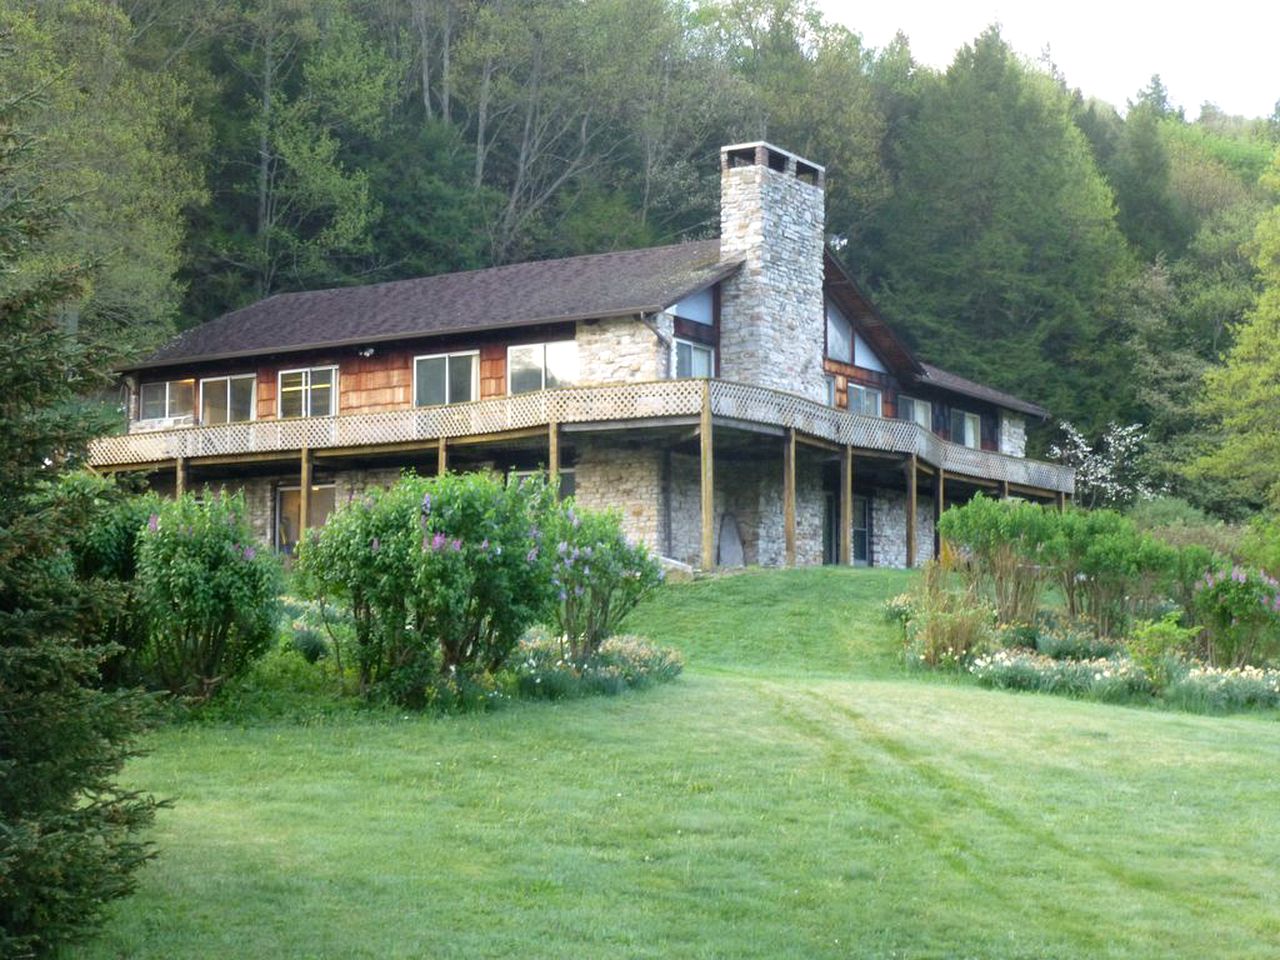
(267, 384)
(845, 373)
(373, 384)
(493, 370)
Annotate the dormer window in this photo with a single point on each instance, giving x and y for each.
(168, 400)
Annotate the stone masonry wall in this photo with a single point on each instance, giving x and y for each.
(752, 492)
(771, 330)
(626, 480)
(1013, 434)
(889, 528)
(623, 349)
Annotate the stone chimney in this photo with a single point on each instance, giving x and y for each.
(771, 312)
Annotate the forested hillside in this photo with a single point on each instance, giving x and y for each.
(1101, 259)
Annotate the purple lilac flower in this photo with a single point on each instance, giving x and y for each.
(250, 553)
(484, 545)
(564, 595)
(455, 545)
(438, 541)
(375, 545)
(562, 548)
(153, 522)
(426, 503)
(531, 556)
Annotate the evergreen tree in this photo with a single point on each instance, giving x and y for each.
(68, 833)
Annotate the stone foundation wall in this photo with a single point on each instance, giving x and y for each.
(623, 349)
(889, 528)
(626, 480)
(752, 493)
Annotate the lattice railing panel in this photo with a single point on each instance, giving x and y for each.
(621, 402)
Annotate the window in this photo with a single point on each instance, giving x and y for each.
(917, 411)
(839, 335)
(289, 514)
(542, 366)
(694, 359)
(309, 393)
(446, 378)
(966, 428)
(168, 400)
(864, 400)
(697, 307)
(227, 399)
(830, 384)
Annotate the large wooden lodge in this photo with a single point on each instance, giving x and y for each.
(737, 400)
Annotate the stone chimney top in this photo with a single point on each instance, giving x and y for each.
(762, 154)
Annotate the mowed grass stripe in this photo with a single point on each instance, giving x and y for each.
(744, 811)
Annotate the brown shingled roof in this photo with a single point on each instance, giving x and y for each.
(937, 377)
(522, 294)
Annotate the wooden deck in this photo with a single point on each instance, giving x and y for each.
(729, 403)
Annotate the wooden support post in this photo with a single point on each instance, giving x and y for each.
(789, 496)
(939, 504)
(442, 457)
(553, 453)
(1062, 501)
(911, 511)
(180, 476)
(304, 491)
(846, 506)
(1004, 489)
(707, 481)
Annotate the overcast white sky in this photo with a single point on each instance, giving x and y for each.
(1226, 52)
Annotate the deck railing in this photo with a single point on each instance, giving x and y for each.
(656, 400)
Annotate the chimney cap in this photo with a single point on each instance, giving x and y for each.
(765, 154)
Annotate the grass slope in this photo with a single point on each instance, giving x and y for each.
(794, 795)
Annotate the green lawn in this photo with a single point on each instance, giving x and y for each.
(792, 795)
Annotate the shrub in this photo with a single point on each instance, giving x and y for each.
(1004, 542)
(1260, 546)
(597, 577)
(442, 575)
(1241, 614)
(1156, 646)
(619, 664)
(207, 595)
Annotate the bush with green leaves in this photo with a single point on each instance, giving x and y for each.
(1240, 610)
(1003, 542)
(206, 592)
(442, 575)
(1158, 646)
(597, 577)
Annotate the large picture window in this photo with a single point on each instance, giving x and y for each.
(446, 378)
(694, 359)
(309, 393)
(966, 428)
(289, 526)
(226, 399)
(542, 366)
(168, 400)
